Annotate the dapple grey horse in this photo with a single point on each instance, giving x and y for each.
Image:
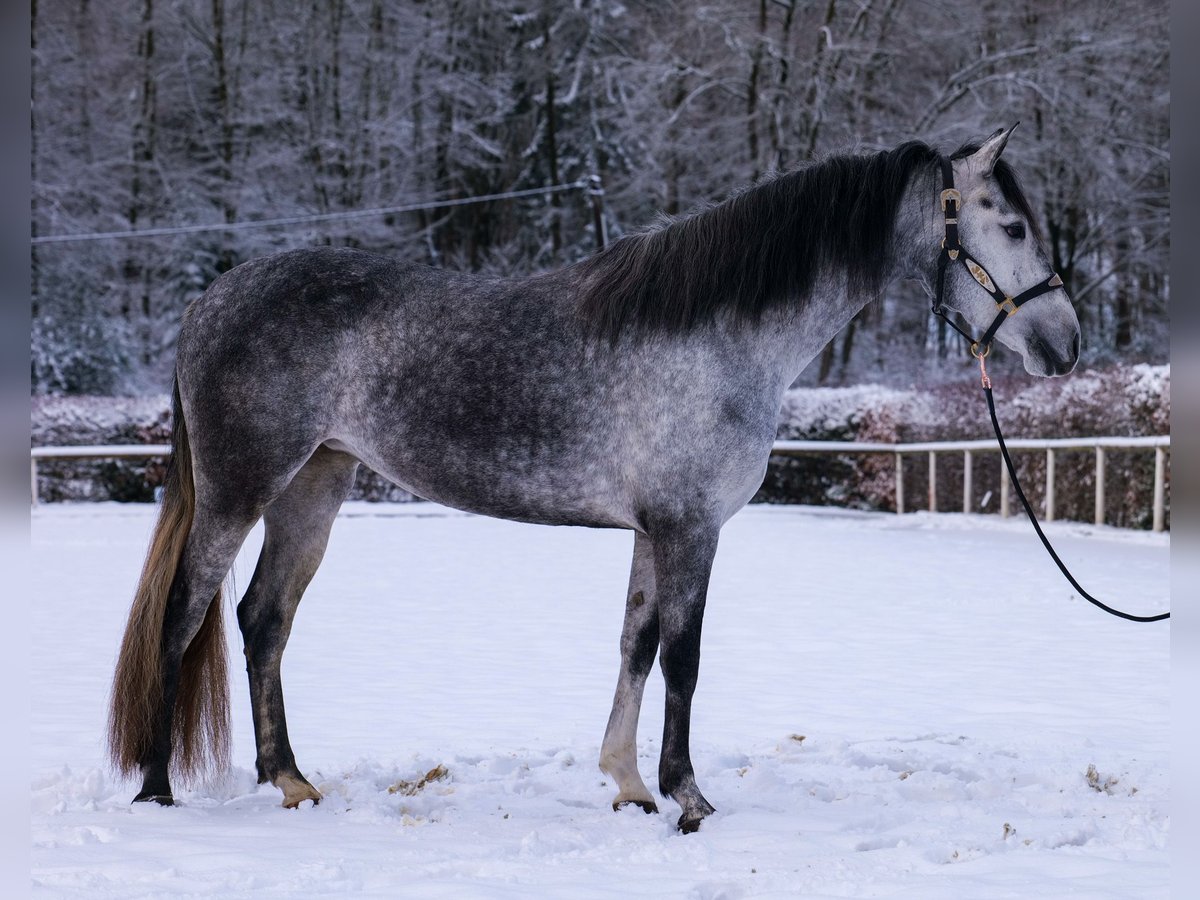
(637, 389)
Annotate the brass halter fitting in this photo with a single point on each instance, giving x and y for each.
(984, 378)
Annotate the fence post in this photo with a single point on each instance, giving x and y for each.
(1004, 508)
(1049, 485)
(1099, 517)
(967, 479)
(932, 481)
(33, 492)
(899, 483)
(1160, 477)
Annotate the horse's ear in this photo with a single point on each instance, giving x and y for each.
(984, 159)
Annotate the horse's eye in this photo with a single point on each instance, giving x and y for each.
(1015, 231)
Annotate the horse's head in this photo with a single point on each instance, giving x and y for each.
(1001, 246)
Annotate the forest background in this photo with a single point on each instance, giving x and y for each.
(161, 113)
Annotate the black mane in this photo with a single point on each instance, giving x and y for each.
(763, 247)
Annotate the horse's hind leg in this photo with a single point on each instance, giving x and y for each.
(297, 528)
(639, 643)
(193, 704)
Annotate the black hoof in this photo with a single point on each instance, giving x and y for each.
(646, 806)
(689, 826)
(160, 799)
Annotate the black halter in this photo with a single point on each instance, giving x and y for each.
(952, 249)
(1006, 306)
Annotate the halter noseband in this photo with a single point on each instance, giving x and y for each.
(952, 249)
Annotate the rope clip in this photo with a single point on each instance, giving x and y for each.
(983, 375)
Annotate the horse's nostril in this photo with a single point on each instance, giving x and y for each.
(1075, 347)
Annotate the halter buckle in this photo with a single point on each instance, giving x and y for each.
(951, 195)
(1008, 306)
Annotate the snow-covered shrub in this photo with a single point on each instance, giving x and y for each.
(1123, 401)
(75, 421)
(1127, 401)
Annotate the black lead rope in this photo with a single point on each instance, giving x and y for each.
(952, 249)
(1012, 473)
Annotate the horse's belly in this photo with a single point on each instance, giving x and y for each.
(505, 486)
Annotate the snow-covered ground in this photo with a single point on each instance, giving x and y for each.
(888, 707)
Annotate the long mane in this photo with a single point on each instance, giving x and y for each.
(763, 247)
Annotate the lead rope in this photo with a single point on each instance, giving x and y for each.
(1012, 473)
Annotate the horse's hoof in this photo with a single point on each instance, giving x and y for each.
(293, 800)
(690, 825)
(296, 791)
(646, 806)
(160, 799)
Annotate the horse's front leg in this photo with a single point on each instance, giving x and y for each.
(639, 644)
(683, 555)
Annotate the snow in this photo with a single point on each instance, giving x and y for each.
(889, 706)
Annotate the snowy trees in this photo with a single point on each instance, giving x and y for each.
(169, 112)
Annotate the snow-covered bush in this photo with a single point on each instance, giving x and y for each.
(1122, 401)
(74, 421)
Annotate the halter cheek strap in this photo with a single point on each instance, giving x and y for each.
(952, 249)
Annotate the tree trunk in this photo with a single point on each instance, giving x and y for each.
(814, 102)
(225, 189)
(140, 201)
(826, 362)
(779, 152)
(33, 160)
(848, 344)
(671, 202)
(552, 143)
(756, 56)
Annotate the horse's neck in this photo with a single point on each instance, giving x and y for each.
(791, 337)
(788, 339)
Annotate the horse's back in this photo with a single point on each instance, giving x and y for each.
(295, 295)
(464, 389)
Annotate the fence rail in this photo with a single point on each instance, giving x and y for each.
(1160, 444)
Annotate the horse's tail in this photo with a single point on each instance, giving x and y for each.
(200, 724)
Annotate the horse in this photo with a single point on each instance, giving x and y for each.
(638, 388)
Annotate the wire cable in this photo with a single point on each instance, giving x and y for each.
(305, 219)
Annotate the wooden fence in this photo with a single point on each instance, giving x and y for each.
(1161, 446)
